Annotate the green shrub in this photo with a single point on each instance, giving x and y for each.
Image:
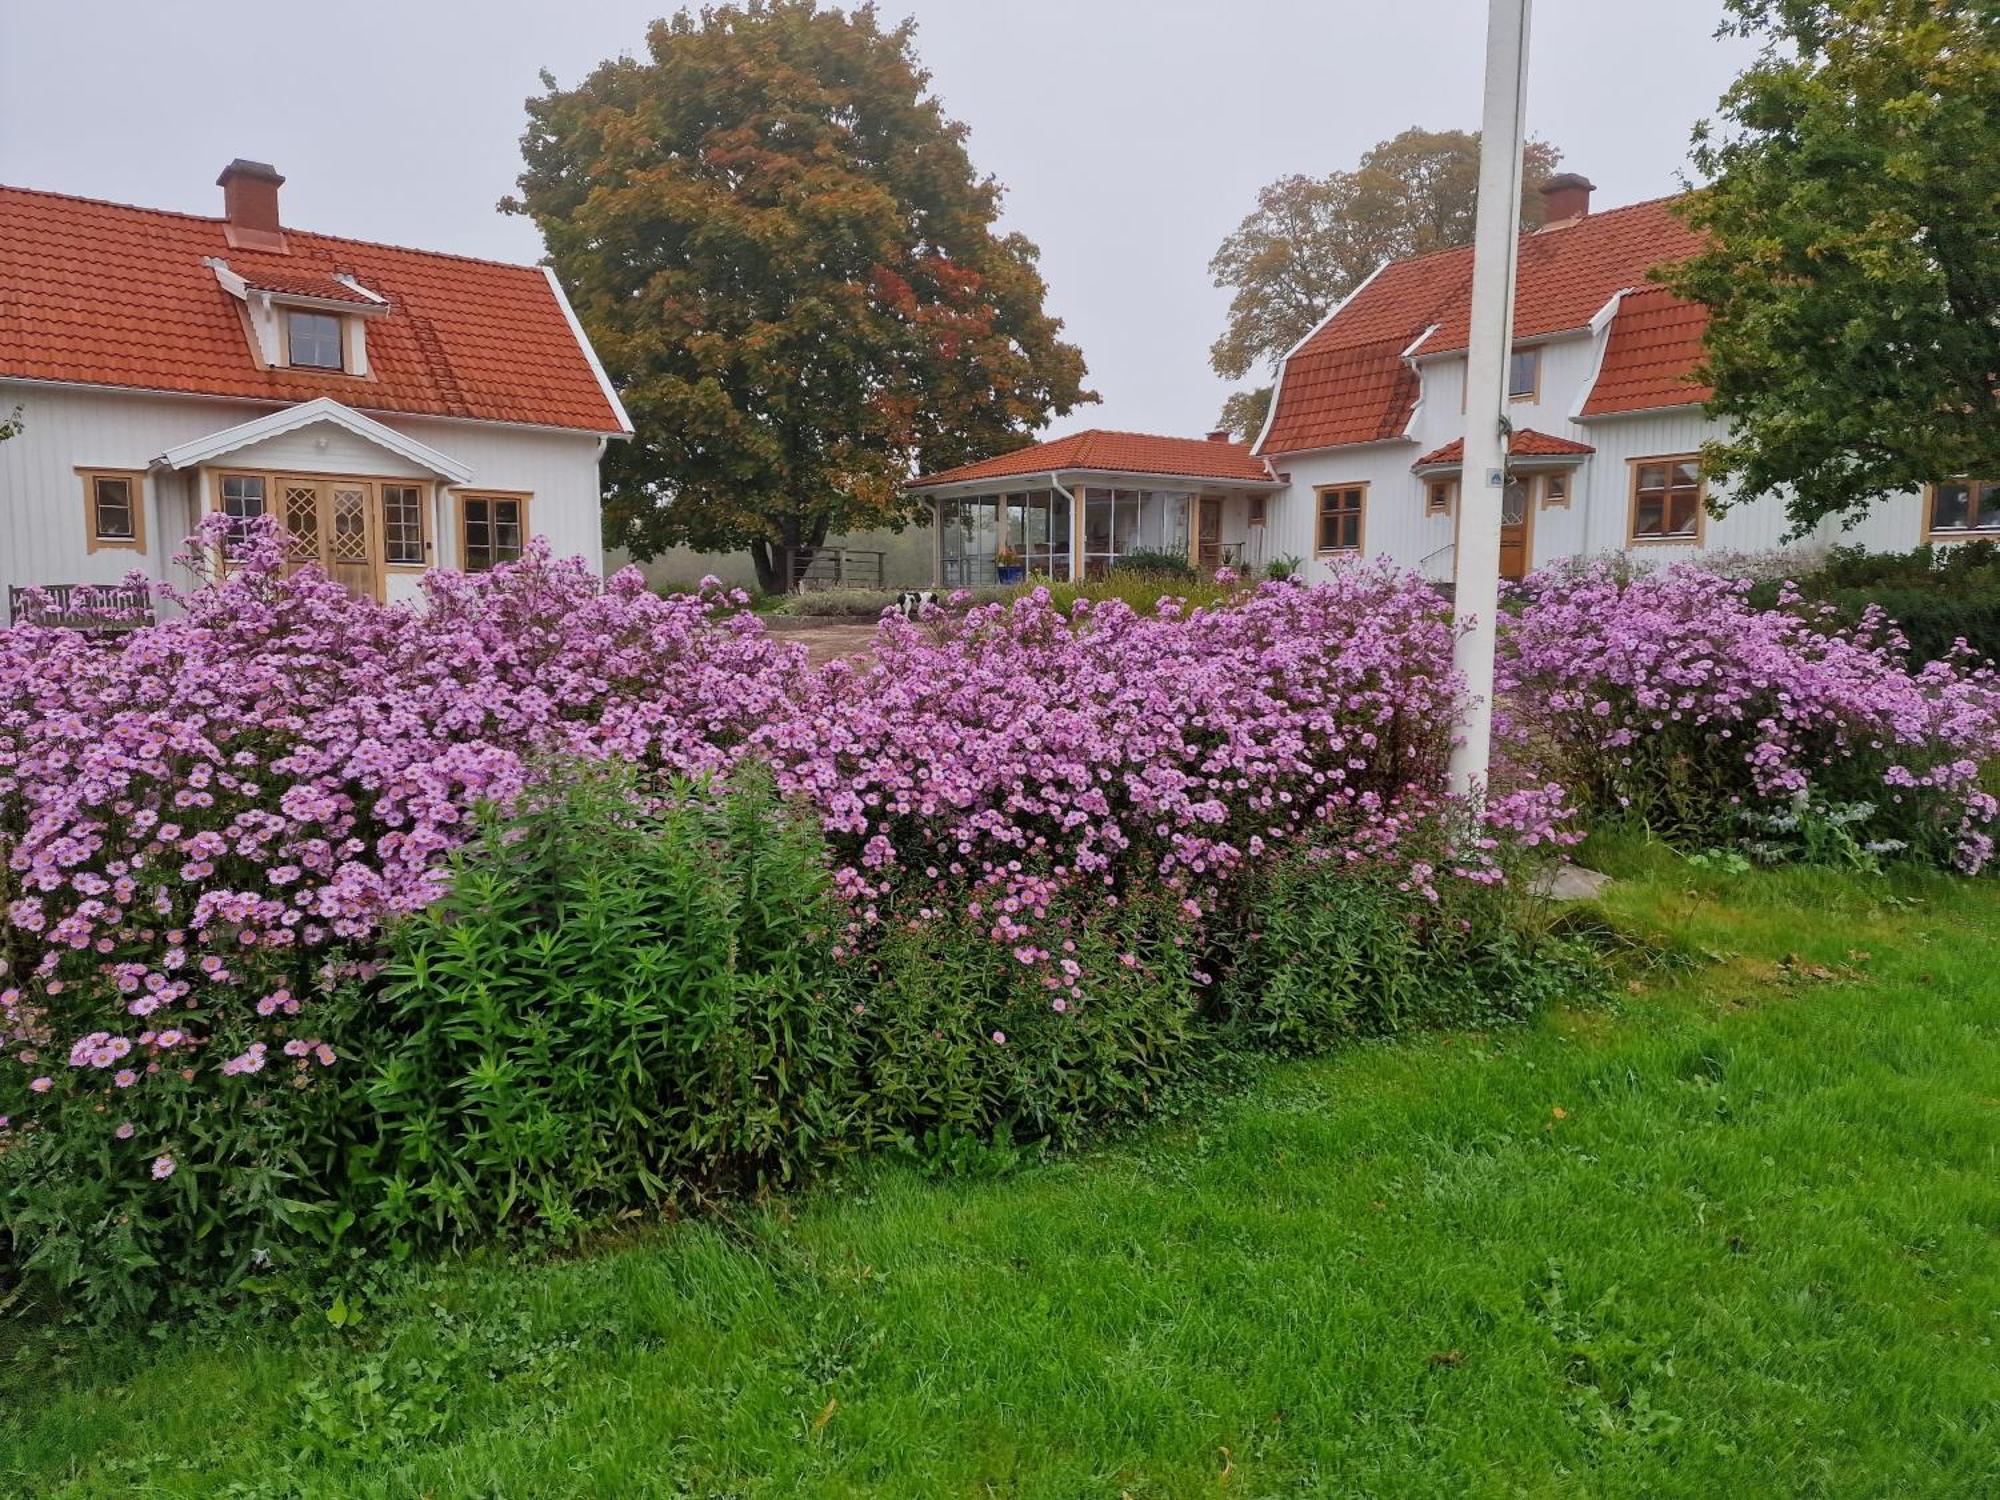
(1331, 950)
(1158, 564)
(957, 1038)
(859, 604)
(251, 1191)
(1936, 595)
(615, 1007)
(1932, 619)
(1143, 591)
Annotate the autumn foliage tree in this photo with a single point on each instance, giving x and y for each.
(1311, 240)
(1852, 268)
(792, 271)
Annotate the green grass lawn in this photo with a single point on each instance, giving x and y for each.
(1737, 1236)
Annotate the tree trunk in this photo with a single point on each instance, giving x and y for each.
(781, 564)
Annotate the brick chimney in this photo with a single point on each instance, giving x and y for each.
(250, 203)
(1222, 435)
(1566, 196)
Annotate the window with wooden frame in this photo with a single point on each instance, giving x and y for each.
(492, 529)
(1341, 507)
(1666, 500)
(1524, 375)
(1962, 508)
(1258, 510)
(1438, 496)
(242, 498)
(1555, 490)
(114, 504)
(403, 541)
(313, 340)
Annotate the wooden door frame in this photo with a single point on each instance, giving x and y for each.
(1529, 485)
(371, 511)
(1527, 519)
(1201, 505)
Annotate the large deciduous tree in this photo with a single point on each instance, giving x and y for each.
(1311, 240)
(791, 270)
(1852, 272)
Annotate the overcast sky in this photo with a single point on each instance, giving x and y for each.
(1132, 135)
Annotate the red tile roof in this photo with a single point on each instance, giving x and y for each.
(1525, 443)
(1330, 396)
(1115, 452)
(106, 294)
(1346, 382)
(269, 273)
(1651, 356)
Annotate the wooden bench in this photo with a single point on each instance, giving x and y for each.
(92, 607)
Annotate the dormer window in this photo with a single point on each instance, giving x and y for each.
(1524, 374)
(313, 340)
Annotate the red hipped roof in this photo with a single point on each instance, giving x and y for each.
(105, 294)
(1118, 453)
(1349, 383)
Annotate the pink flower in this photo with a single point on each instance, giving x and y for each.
(1000, 1038)
(41, 1085)
(124, 1131)
(163, 1167)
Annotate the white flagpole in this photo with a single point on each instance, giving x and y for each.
(1476, 559)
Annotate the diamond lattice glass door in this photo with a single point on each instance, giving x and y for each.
(299, 506)
(350, 538)
(333, 522)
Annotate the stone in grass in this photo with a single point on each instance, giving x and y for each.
(1568, 882)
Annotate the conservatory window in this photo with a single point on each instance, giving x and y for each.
(982, 534)
(1119, 522)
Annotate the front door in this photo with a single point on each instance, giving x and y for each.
(1514, 529)
(1208, 534)
(334, 522)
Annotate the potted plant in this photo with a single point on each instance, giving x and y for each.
(1007, 566)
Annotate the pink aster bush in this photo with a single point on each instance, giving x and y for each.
(205, 823)
(1669, 696)
(1056, 827)
(226, 838)
(1023, 753)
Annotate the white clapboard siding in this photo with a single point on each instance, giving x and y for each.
(1597, 517)
(43, 530)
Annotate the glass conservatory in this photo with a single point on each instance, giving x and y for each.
(1103, 498)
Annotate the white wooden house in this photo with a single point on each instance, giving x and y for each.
(1367, 423)
(1360, 456)
(395, 410)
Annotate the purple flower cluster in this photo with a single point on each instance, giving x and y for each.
(1628, 687)
(1014, 754)
(207, 820)
(197, 820)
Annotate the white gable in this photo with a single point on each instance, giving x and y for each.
(321, 436)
